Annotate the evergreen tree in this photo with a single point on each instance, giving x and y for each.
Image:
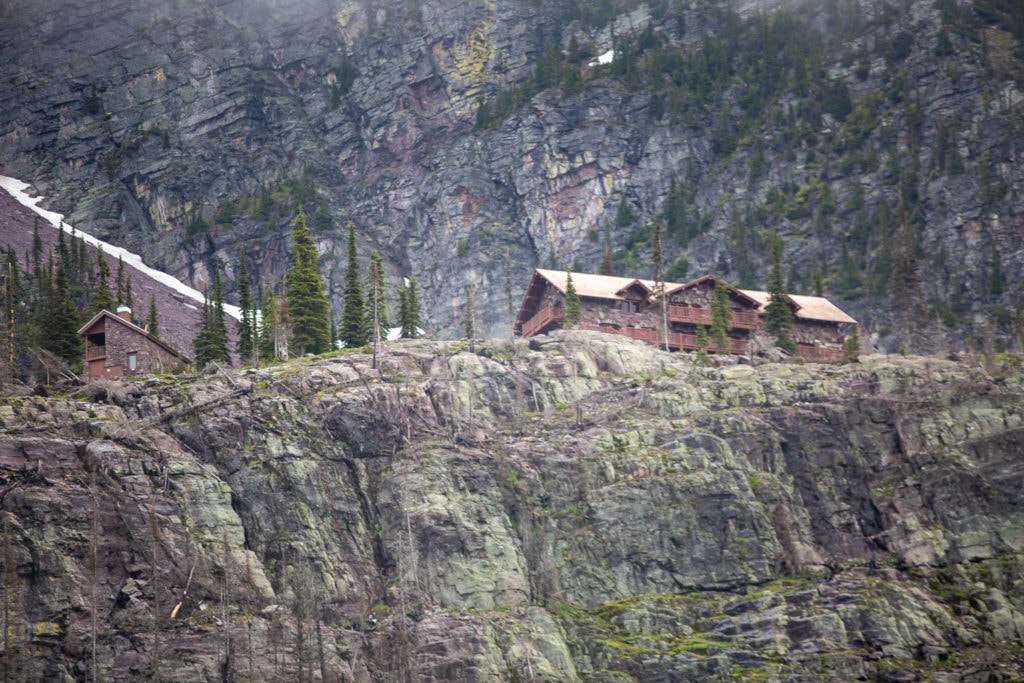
(409, 309)
(11, 326)
(624, 216)
(851, 348)
(121, 294)
(658, 260)
(61, 323)
(211, 342)
(203, 351)
(376, 300)
(153, 320)
(219, 335)
(268, 327)
(37, 252)
(354, 330)
(721, 316)
(905, 276)
(307, 303)
(701, 339)
(607, 266)
(245, 347)
(101, 298)
(573, 308)
(129, 298)
(778, 315)
(468, 324)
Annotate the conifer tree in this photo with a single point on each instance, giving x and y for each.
(573, 308)
(468, 315)
(129, 298)
(37, 251)
(121, 294)
(246, 344)
(268, 327)
(376, 300)
(778, 316)
(607, 266)
(101, 298)
(61, 323)
(211, 342)
(851, 347)
(905, 278)
(657, 258)
(11, 317)
(721, 316)
(307, 303)
(354, 330)
(409, 309)
(701, 340)
(624, 216)
(220, 328)
(202, 344)
(153, 319)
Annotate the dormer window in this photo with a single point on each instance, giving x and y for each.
(630, 306)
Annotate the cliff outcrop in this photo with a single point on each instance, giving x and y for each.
(588, 508)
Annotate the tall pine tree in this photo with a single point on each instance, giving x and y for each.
(409, 310)
(153, 319)
(354, 330)
(376, 301)
(573, 307)
(60, 334)
(778, 315)
(307, 303)
(721, 316)
(101, 298)
(246, 345)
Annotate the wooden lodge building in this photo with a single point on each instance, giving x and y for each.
(629, 307)
(117, 347)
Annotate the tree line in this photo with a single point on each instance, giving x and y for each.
(294, 317)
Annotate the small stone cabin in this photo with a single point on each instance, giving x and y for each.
(630, 307)
(117, 347)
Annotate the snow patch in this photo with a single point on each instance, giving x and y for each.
(16, 189)
(605, 58)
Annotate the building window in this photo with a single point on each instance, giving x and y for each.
(630, 306)
(133, 361)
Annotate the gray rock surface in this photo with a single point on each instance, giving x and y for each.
(594, 510)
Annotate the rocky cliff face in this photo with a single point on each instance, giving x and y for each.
(592, 509)
(185, 130)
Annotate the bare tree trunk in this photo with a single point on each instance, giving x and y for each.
(94, 567)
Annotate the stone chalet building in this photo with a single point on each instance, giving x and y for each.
(117, 347)
(630, 307)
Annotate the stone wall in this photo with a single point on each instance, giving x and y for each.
(122, 340)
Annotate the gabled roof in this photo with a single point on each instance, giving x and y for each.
(808, 307)
(612, 287)
(107, 315)
(594, 286)
(671, 288)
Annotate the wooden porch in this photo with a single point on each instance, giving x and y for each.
(543, 320)
(677, 341)
(678, 313)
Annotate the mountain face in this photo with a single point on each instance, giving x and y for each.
(591, 510)
(880, 140)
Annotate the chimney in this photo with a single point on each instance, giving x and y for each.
(124, 313)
